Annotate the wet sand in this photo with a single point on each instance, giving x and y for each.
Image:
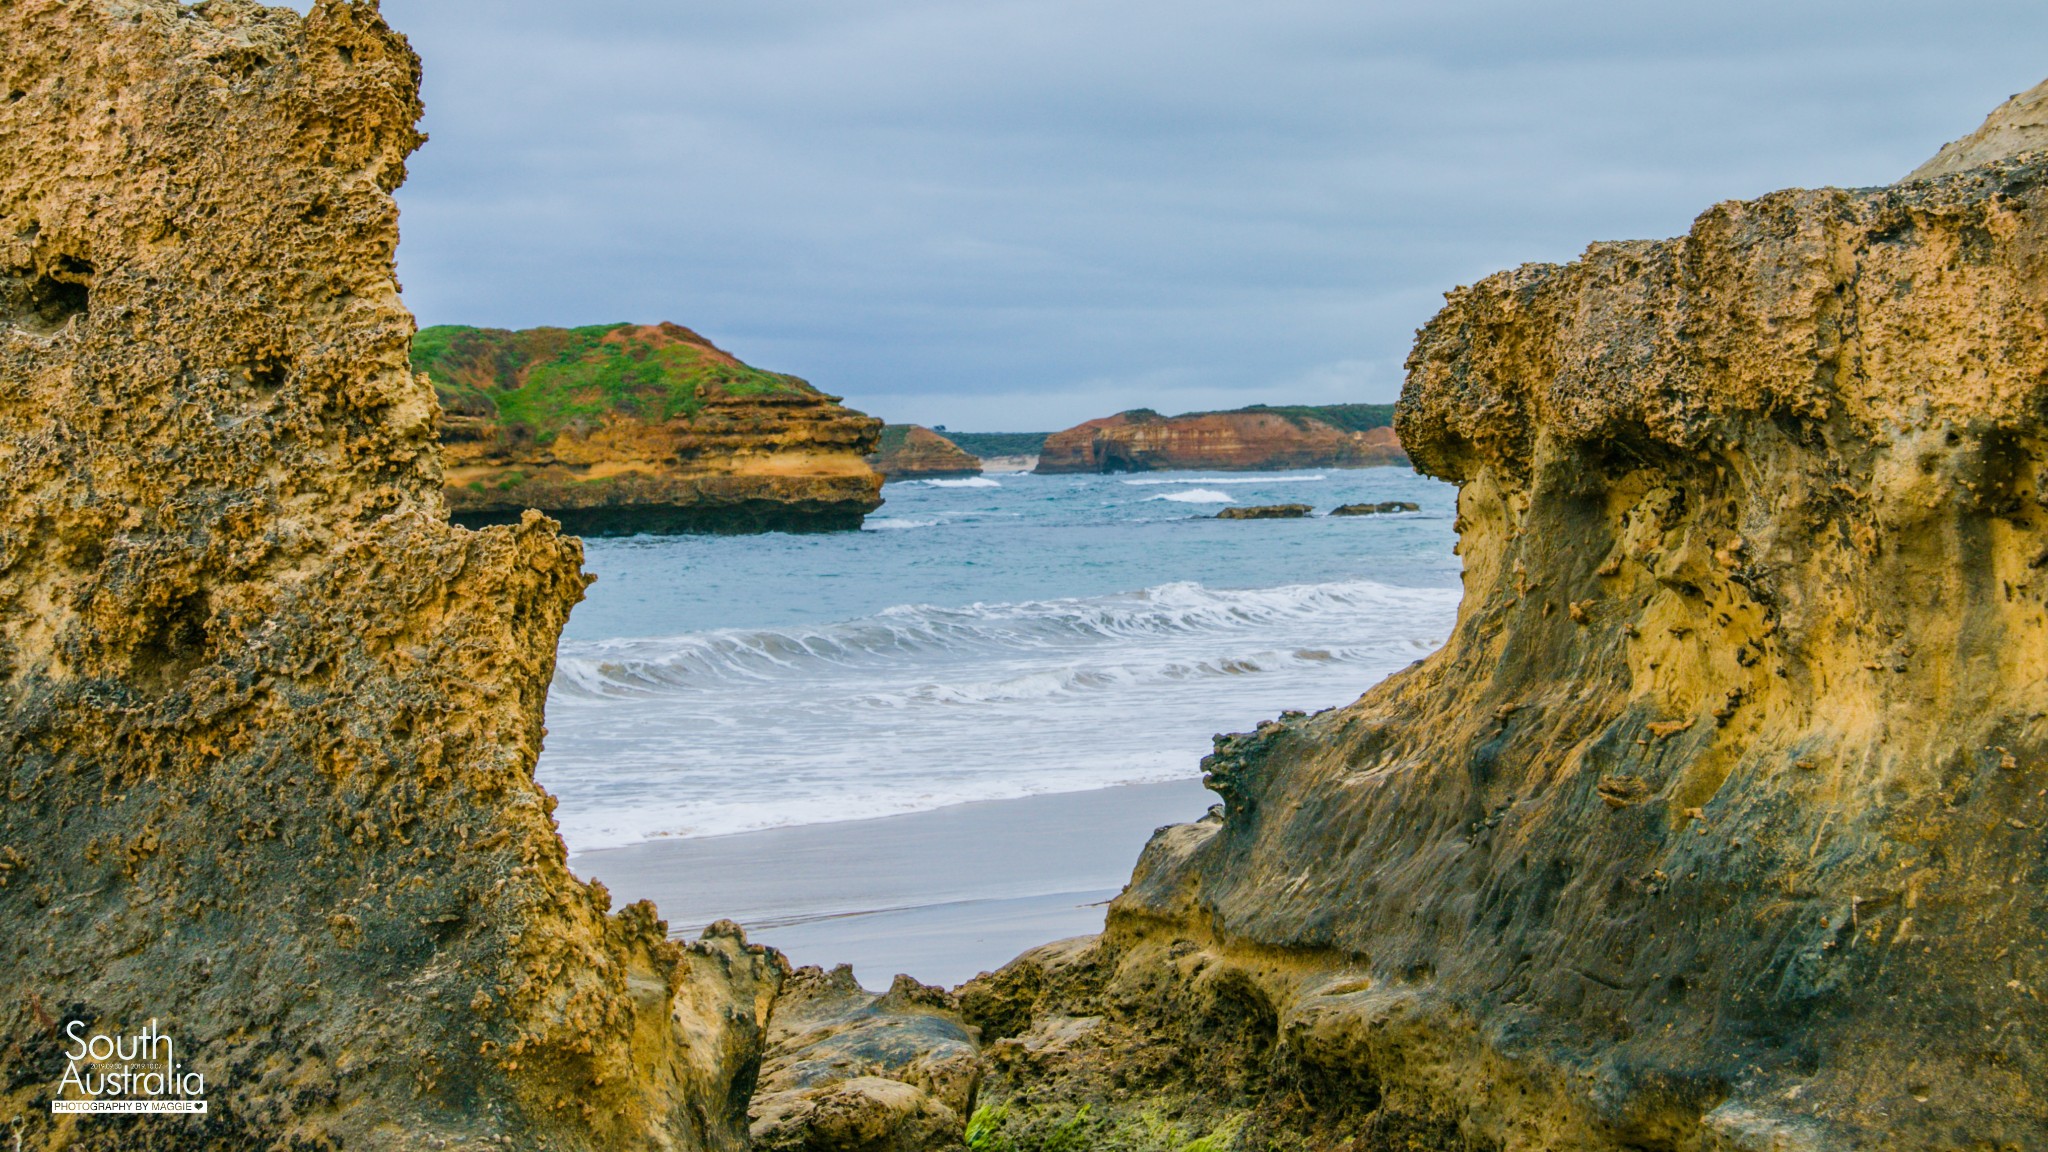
(940, 895)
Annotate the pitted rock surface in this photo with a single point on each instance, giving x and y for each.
(1721, 821)
(267, 721)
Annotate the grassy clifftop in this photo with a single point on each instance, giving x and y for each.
(547, 379)
(1349, 417)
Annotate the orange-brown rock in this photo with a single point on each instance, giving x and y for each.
(1252, 439)
(620, 429)
(268, 721)
(1721, 821)
(914, 452)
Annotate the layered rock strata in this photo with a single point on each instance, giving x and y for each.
(1252, 439)
(1721, 822)
(914, 452)
(620, 429)
(268, 722)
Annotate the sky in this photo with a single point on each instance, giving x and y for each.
(1015, 215)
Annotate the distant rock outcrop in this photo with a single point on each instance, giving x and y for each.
(1383, 508)
(1721, 821)
(914, 452)
(1251, 439)
(619, 429)
(1267, 512)
(268, 722)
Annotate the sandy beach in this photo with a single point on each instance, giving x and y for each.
(941, 895)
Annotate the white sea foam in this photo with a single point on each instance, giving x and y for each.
(966, 482)
(896, 524)
(1197, 496)
(917, 707)
(1156, 480)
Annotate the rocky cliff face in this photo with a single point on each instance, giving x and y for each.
(1722, 819)
(267, 720)
(1252, 440)
(912, 451)
(618, 429)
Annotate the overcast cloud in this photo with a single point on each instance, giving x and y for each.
(1018, 214)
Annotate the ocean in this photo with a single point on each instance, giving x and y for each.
(982, 639)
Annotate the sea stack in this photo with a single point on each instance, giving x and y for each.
(1718, 823)
(914, 452)
(621, 429)
(268, 721)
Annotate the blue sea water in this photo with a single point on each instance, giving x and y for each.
(982, 639)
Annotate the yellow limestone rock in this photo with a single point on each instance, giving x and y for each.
(1750, 851)
(267, 721)
(2017, 126)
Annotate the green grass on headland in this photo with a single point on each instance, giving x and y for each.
(543, 380)
(1349, 417)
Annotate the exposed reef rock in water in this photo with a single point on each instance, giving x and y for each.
(1266, 512)
(268, 721)
(1383, 508)
(914, 452)
(1255, 439)
(617, 429)
(1722, 819)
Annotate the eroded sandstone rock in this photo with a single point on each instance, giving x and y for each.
(914, 452)
(267, 721)
(620, 429)
(848, 1070)
(1719, 822)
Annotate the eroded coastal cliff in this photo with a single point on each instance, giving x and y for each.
(1720, 822)
(1722, 819)
(268, 721)
(1255, 439)
(619, 429)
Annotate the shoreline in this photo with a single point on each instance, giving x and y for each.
(942, 895)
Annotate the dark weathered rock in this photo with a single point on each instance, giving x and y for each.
(1383, 508)
(1718, 823)
(268, 721)
(1266, 512)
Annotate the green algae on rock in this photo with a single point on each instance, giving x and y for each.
(618, 429)
(268, 722)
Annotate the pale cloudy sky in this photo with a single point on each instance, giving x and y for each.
(1018, 214)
